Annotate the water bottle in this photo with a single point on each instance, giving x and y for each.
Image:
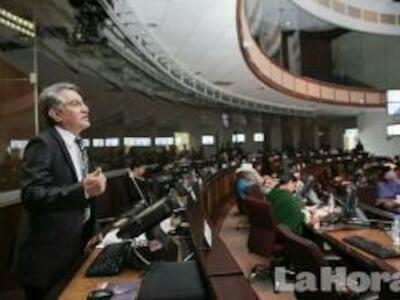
(396, 230)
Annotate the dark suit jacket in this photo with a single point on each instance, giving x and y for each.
(129, 195)
(52, 233)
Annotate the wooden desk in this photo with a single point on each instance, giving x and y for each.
(223, 274)
(79, 286)
(335, 238)
(215, 261)
(232, 287)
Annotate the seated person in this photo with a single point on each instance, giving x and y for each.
(244, 179)
(137, 191)
(286, 207)
(387, 189)
(265, 182)
(137, 196)
(258, 170)
(269, 183)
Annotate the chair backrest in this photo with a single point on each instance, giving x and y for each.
(262, 233)
(303, 253)
(260, 213)
(305, 256)
(254, 191)
(367, 195)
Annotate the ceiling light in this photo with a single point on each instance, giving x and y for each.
(16, 19)
(16, 27)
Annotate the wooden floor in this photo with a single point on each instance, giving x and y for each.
(236, 241)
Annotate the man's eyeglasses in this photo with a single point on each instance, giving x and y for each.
(74, 103)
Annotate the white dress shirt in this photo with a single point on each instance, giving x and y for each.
(73, 150)
(76, 157)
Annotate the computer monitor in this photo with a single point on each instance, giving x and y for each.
(307, 193)
(351, 211)
(142, 221)
(393, 102)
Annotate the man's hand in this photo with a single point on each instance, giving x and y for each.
(95, 183)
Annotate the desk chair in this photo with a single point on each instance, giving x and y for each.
(262, 239)
(305, 256)
(367, 195)
(254, 192)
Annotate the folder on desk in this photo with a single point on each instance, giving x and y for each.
(173, 281)
(124, 290)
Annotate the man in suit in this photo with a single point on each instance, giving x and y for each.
(57, 193)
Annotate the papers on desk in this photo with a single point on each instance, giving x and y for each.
(124, 290)
(110, 238)
(323, 212)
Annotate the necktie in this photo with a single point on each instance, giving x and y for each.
(84, 171)
(84, 157)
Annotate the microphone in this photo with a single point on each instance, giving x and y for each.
(116, 173)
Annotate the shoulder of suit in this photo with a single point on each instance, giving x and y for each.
(45, 136)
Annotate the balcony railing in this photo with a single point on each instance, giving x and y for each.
(297, 86)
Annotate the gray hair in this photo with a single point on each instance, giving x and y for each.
(50, 98)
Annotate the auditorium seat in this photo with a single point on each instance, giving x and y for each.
(262, 239)
(367, 195)
(262, 234)
(303, 255)
(254, 191)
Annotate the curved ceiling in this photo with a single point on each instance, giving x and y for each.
(199, 34)
(202, 36)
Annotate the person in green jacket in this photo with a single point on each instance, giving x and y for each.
(286, 207)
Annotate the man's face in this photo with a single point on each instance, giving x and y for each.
(73, 114)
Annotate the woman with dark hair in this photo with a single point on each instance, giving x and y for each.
(136, 193)
(137, 196)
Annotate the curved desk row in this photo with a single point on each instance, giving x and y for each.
(224, 277)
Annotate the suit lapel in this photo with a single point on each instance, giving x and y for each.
(64, 151)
